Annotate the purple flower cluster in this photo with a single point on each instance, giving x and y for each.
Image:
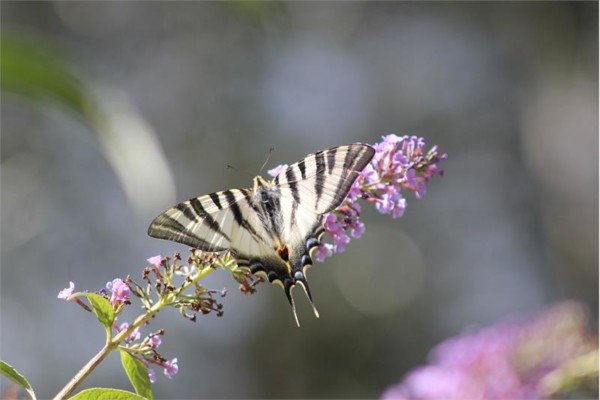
(400, 162)
(511, 360)
(345, 218)
(118, 292)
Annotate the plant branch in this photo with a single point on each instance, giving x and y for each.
(112, 344)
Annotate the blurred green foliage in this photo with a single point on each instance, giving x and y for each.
(37, 70)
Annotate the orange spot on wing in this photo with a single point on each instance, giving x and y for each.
(284, 252)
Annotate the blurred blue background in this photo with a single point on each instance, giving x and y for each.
(113, 111)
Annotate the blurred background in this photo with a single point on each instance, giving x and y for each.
(114, 111)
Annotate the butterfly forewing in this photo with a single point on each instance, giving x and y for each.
(324, 178)
(215, 222)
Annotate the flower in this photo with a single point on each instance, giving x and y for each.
(399, 163)
(152, 375)
(434, 382)
(119, 291)
(170, 368)
(323, 251)
(156, 260)
(155, 339)
(135, 335)
(67, 292)
(277, 170)
(509, 360)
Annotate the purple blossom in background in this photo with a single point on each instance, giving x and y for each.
(171, 368)
(119, 291)
(400, 162)
(510, 360)
(67, 292)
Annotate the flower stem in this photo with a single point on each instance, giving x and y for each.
(84, 372)
(113, 343)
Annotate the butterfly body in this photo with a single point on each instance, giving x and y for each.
(272, 228)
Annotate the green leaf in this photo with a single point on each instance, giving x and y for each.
(137, 373)
(106, 394)
(102, 307)
(11, 373)
(37, 70)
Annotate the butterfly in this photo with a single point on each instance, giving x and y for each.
(273, 228)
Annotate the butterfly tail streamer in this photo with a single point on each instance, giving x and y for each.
(304, 285)
(288, 292)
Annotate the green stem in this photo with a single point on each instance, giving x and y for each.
(84, 372)
(113, 344)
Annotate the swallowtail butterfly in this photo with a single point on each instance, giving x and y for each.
(272, 228)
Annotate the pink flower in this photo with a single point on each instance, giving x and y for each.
(119, 291)
(277, 170)
(323, 251)
(433, 382)
(508, 360)
(155, 260)
(152, 375)
(155, 340)
(171, 368)
(67, 292)
(135, 335)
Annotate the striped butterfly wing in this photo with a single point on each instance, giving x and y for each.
(321, 181)
(309, 189)
(215, 222)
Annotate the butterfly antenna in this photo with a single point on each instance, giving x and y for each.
(304, 285)
(267, 160)
(231, 167)
(288, 293)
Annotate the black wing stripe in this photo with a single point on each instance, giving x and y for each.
(320, 178)
(293, 184)
(331, 159)
(207, 219)
(302, 168)
(169, 228)
(215, 198)
(187, 211)
(237, 215)
(348, 160)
